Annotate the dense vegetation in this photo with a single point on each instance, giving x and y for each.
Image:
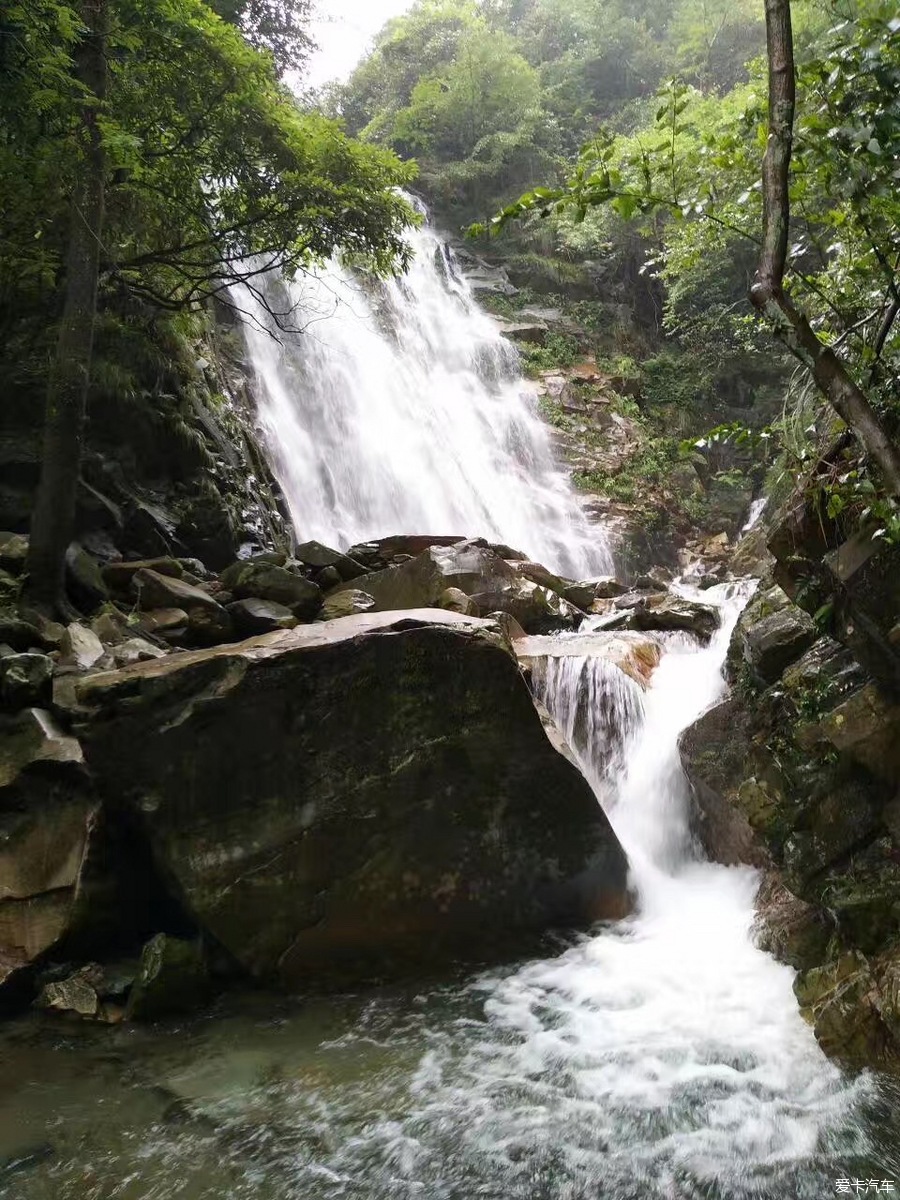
(150, 159)
(668, 102)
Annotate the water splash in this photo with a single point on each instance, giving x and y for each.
(401, 409)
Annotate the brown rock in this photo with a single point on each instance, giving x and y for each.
(365, 794)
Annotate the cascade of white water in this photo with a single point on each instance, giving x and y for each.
(400, 409)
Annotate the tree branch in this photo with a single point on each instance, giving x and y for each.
(767, 293)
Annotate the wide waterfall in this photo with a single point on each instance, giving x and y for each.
(399, 408)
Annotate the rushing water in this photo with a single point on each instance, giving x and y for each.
(399, 408)
(662, 1057)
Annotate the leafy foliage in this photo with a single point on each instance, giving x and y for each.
(214, 170)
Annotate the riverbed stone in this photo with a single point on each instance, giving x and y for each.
(136, 649)
(118, 575)
(155, 591)
(167, 623)
(662, 612)
(355, 797)
(346, 604)
(254, 616)
(24, 679)
(171, 979)
(315, 554)
(472, 568)
(84, 578)
(81, 647)
(268, 582)
(13, 551)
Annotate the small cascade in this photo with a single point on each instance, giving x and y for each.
(399, 408)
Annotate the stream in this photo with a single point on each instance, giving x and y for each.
(662, 1056)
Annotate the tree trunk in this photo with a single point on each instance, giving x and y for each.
(53, 519)
(789, 324)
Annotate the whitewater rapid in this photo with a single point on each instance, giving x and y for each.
(399, 408)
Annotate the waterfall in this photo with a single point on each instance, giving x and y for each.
(399, 408)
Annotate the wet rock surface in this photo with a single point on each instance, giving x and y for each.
(798, 772)
(388, 796)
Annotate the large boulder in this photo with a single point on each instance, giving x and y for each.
(477, 571)
(352, 797)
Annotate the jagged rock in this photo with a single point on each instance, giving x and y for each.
(25, 679)
(275, 558)
(346, 604)
(454, 600)
(380, 552)
(77, 993)
(731, 805)
(118, 575)
(81, 647)
(171, 979)
(195, 567)
(582, 594)
(774, 634)
(210, 626)
(532, 332)
(326, 578)
(867, 727)
(10, 586)
(134, 650)
(540, 575)
(13, 551)
(633, 654)
(269, 582)
(794, 931)
(472, 568)
(110, 626)
(314, 554)
(840, 1001)
(253, 616)
(84, 578)
(167, 623)
(608, 587)
(649, 583)
(45, 822)
(164, 591)
(508, 625)
(365, 794)
(21, 635)
(661, 613)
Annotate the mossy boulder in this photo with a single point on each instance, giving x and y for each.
(171, 979)
(266, 581)
(352, 798)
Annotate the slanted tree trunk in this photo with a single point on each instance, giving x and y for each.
(53, 519)
(767, 293)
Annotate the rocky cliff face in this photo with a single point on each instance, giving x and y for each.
(798, 772)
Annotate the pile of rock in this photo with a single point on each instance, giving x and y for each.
(279, 790)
